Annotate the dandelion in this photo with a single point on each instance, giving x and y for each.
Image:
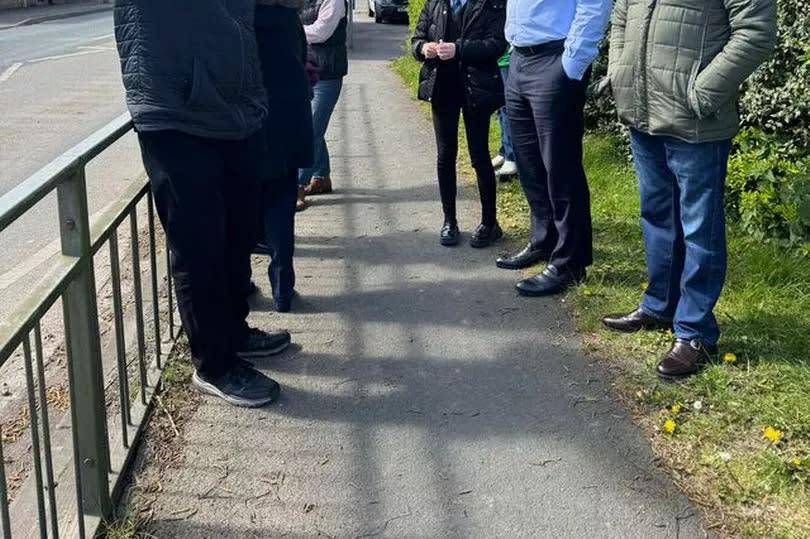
(670, 425)
(644, 285)
(698, 406)
(772, 434)
(676, 408)
(796, 461)
(586, 292)
(730, 357)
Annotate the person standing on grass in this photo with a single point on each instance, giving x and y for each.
(504, 162)
(554, 44)
(459, 43)
(194, 90)
(675, 70)
(325, 23)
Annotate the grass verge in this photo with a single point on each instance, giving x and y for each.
(735, 438)
(160, 449)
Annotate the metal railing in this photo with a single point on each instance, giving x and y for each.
(99, 449)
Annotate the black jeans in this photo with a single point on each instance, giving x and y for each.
(546, 121)
(279, 196)
(476, 123)
(207, 194)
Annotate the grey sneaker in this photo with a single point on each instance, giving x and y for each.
(263, 343)
(240, 386)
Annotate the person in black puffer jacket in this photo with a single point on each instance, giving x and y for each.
(194, 89)
(459, 43)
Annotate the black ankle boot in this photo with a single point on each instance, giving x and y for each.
(449, 234)
(486, 235)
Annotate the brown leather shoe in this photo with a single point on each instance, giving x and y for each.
(301, 202)
(634, 321)
(319, 185)
(684, 359)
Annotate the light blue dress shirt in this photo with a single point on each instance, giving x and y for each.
(581, 23)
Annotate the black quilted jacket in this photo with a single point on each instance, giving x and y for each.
(191, 66)
(481, 44)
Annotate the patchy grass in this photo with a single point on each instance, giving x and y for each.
(718, 452)
(161, 450)
(739, 444)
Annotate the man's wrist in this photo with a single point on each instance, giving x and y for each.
(573, 68)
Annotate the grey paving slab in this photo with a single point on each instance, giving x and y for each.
(423, 397)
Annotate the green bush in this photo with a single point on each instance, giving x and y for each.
(776, 99)
(768, 190)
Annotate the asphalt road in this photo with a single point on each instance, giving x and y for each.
(59, 82)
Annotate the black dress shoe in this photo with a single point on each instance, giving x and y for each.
(635, 321)
(449, 234)
(684, 359)
(528, 256)
(485, 235)
(551, 281)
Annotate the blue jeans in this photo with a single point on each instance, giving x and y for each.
(684, 229)
(325, 97)
(506, 150)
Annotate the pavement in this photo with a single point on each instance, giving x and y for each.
(38, 13)
(423, 397)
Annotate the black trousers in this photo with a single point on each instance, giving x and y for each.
(207, 194)
(476, 122)
(546, 121)
(278, 197)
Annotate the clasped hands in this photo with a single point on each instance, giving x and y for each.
(440, 50)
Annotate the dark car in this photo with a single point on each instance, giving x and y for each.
(388, 10)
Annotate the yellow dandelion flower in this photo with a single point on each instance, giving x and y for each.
(796, 461)
(670, 425)
(586, 292)
(644, 285)
(676, 408)
(730, 357)
(772, 434)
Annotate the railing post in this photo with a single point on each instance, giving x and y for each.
(82, 341)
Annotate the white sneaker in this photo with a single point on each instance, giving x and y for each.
(508, 168)
(498, 161)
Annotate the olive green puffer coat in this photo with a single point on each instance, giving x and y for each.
(676, 66)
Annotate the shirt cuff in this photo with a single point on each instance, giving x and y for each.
(574, 69)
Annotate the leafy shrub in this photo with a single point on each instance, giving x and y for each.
(768, 190)
(776, 98)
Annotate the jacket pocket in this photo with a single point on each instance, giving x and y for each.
(484, 88)
(691, 93)
(427, 80)
(202, 95)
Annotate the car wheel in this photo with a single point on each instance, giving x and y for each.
(370, 12)
(377, 14)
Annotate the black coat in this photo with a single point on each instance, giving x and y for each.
(283, 53)
(477, 50)
(191, 66)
